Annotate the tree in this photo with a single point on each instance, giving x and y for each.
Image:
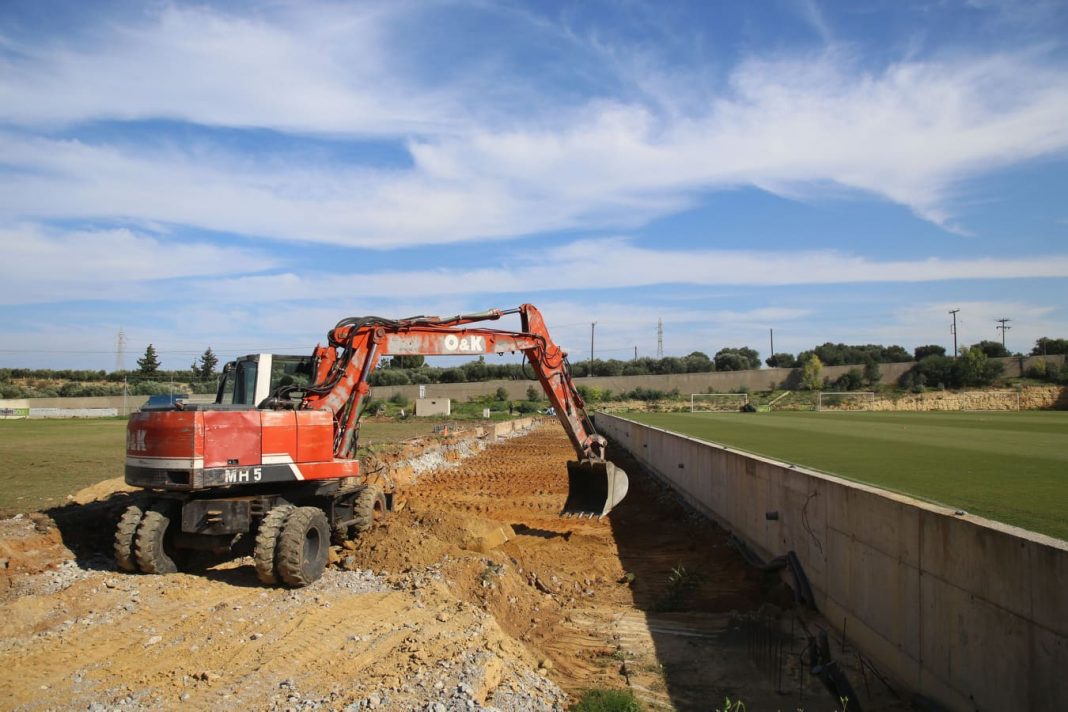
(533, 394)
(781, 360)
(922, 352)
(843, 354)
(388, 377)
(851, 380)
(501, 394)
(993, 349)
(206, 369)
(1046, 346)
(872, 373)
(413, 361)
(812, 373)
(698, 362)
(732, 359)
(149, 363)
(974, 367)
(933, 370)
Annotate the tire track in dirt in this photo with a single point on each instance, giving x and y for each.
(561, 585)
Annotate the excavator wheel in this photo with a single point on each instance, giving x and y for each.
(303, 547)
(369, 507)
(125, 538)
(266, 547)
(153, 549)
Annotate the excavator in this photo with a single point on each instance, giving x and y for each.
(272, 464)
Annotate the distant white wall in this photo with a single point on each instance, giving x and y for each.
(433, 406)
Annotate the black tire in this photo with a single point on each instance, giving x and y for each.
(369, 507)
(266, 548)
(154, 550)
(125, 538)
(303, 547)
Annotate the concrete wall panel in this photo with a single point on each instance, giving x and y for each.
(968, 612)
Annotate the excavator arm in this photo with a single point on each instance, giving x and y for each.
(343, 367)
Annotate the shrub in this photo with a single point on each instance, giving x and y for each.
(781, 360)
(399, 399)
(923, 352)
(811, 373)
(851, 380)
(389, 377)
(601, 700)
(1037, 370)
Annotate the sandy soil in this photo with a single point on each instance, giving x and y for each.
(476, 595)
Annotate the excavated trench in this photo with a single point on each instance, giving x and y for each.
(476, 594)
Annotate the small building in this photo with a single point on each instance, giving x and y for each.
(433, 406)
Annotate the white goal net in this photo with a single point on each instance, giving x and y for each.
(717, 402)
(845, 400)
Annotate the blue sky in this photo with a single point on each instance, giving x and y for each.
(242, 175)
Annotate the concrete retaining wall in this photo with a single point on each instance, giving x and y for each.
(686, 383)
(968, 612)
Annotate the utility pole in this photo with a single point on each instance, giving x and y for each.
(593, 326)
(120, 350)
(771, 334)
(1001, 325)
(635, 353)
(953, 329)
(660, 338)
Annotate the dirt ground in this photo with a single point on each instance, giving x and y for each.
(475, 595)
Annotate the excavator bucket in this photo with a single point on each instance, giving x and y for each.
(593, 488)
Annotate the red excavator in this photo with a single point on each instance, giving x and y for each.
(271, 465)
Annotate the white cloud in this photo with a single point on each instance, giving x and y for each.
(489, 163)
(49, 266)
(613, 264)
(300, 68)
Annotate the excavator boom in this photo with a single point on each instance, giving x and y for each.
(355, 345)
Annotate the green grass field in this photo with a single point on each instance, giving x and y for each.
(42, 461)
(1011, 467)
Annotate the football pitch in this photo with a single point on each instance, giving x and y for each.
(1011, 467)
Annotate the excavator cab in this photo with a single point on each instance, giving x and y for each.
(251, 379)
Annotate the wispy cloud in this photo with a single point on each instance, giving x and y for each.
(106, 264)
(613, 264)
(485, 165)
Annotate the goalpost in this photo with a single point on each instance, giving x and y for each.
(718, 402)
(845, 400)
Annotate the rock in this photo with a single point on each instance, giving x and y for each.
(442, 617)
(153, 640)
(256, 636)
(547, 664)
